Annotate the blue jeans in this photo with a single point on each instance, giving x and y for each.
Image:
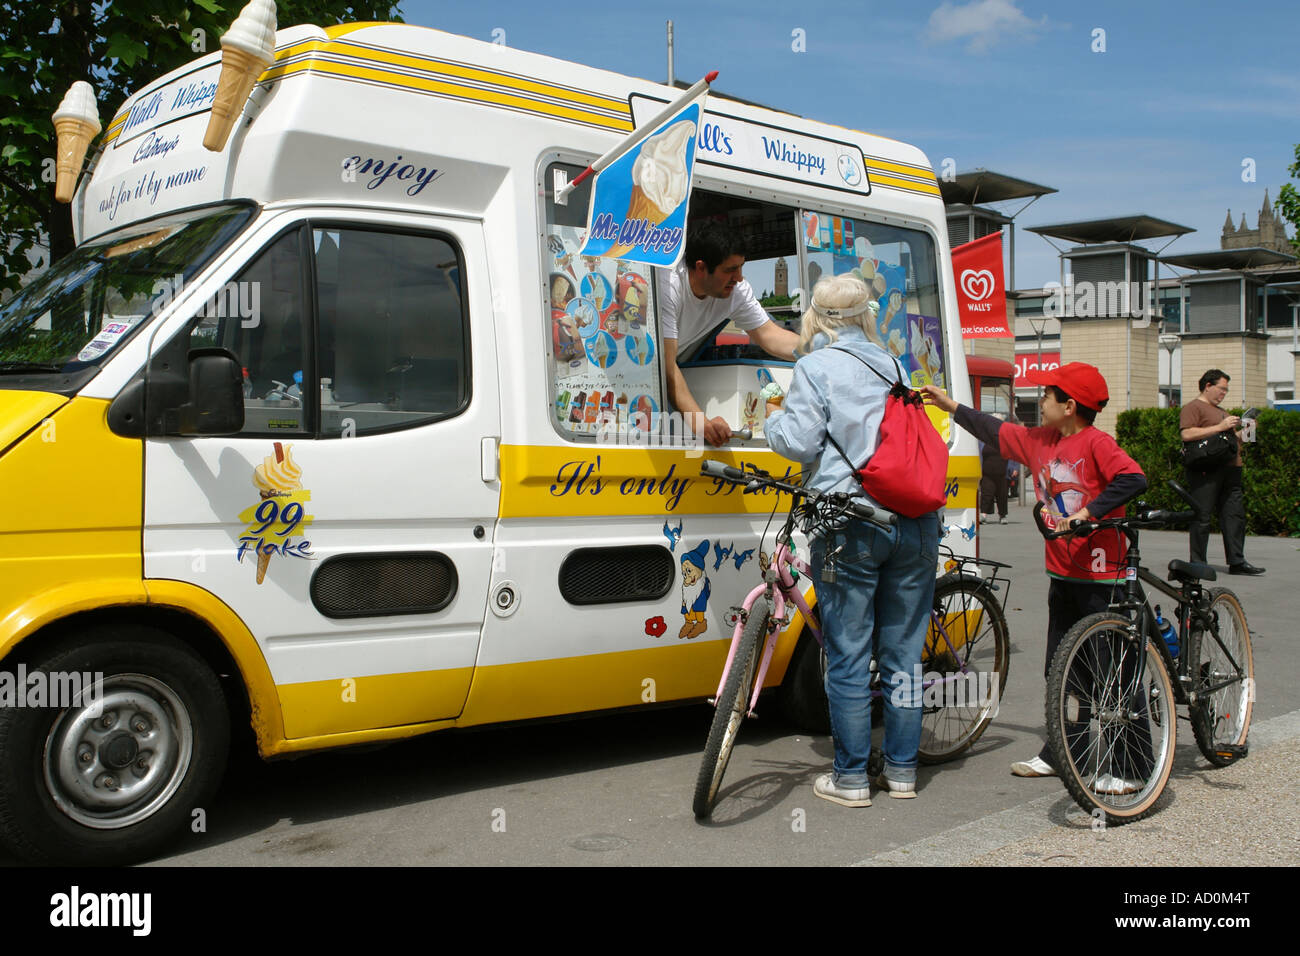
(882, 595)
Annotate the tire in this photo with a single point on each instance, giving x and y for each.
(1223, 716)
(1089, 739)
(803, 692)
(959, 706)
(110, 777)
(730, 710)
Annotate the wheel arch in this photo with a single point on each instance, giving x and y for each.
(192, 616)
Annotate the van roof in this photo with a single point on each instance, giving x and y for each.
(433, 105)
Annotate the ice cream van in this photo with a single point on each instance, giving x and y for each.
(333, 432)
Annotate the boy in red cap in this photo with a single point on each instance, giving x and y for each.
(1080, 473)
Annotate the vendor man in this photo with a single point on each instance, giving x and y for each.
(703, 291)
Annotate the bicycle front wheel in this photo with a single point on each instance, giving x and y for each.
(964, 665)
(1221, 716)
(730, 710)
(1111, 734)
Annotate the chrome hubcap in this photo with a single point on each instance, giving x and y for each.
(117, 757)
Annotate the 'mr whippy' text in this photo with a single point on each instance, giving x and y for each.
(636, 232)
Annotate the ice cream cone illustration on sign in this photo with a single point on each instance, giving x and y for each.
(76, 123)
(247, 49)
(276, 477)
(659, 179)
(638, 205)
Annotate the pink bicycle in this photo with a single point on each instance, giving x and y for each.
(964, 660)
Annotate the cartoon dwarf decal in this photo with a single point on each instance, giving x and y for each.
(695, 592)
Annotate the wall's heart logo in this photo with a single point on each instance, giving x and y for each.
(977, 285)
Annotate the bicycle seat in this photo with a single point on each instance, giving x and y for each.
(1191, 571)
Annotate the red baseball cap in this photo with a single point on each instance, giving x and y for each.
(1081, 381)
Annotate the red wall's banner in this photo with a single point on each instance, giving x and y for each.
(1028, 362)
(981, 291)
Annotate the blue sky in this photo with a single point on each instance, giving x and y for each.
(1160, 122)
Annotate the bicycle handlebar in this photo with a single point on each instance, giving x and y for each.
(756, 478)
(1151, 518)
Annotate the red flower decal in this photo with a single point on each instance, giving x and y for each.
(655, 626)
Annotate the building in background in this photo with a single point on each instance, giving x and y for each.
(1152, 323)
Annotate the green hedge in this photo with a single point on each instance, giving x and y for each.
(1271, 464)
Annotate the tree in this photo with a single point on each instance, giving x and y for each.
(1288, 200)
(117, 46)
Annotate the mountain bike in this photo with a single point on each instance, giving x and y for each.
(964, 659)
(1111, 700)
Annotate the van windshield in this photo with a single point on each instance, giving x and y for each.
(59, 329)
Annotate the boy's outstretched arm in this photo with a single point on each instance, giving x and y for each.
(983, 426)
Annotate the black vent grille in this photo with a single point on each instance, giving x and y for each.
(380, 584)
(641, 572)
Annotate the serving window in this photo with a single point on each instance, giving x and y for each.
(901, 267)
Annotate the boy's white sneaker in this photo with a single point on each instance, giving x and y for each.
(1033, 767)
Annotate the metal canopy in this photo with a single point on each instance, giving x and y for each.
(981, 186)
(1114, 229)
(1220, 259)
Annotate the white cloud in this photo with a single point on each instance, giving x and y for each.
(981, 22)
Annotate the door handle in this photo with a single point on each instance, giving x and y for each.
(490, 463)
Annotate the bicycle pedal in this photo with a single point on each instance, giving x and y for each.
(1232, 751)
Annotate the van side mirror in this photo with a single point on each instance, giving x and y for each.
(216, 405)
(184, 392)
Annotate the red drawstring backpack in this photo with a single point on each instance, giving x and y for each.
(909, 471)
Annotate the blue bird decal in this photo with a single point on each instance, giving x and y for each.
(720, 555)
(673, 535)
(741, 557)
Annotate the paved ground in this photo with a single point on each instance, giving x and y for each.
(1243, 815)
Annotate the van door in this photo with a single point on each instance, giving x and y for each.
(350, 523)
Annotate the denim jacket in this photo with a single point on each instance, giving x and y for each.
(833, 390)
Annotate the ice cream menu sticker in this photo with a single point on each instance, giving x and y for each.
(638, 205)
(915, 340)
(605, 347)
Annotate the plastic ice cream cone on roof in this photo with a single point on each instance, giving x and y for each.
(76, 123)
(247, 49)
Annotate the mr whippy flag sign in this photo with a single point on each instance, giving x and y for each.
(638, 204)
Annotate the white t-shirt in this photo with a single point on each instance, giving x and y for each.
(688, 320)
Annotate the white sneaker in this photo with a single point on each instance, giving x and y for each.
(825, 788)
(1033, 767)
(1114, 786)
(899, 791)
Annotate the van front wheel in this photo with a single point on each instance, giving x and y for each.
(127, 738)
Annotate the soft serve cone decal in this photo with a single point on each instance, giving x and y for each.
(280, 515)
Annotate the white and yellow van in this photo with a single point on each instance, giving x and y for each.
(443, 499)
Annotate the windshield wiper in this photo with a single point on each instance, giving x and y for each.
(17, 368)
